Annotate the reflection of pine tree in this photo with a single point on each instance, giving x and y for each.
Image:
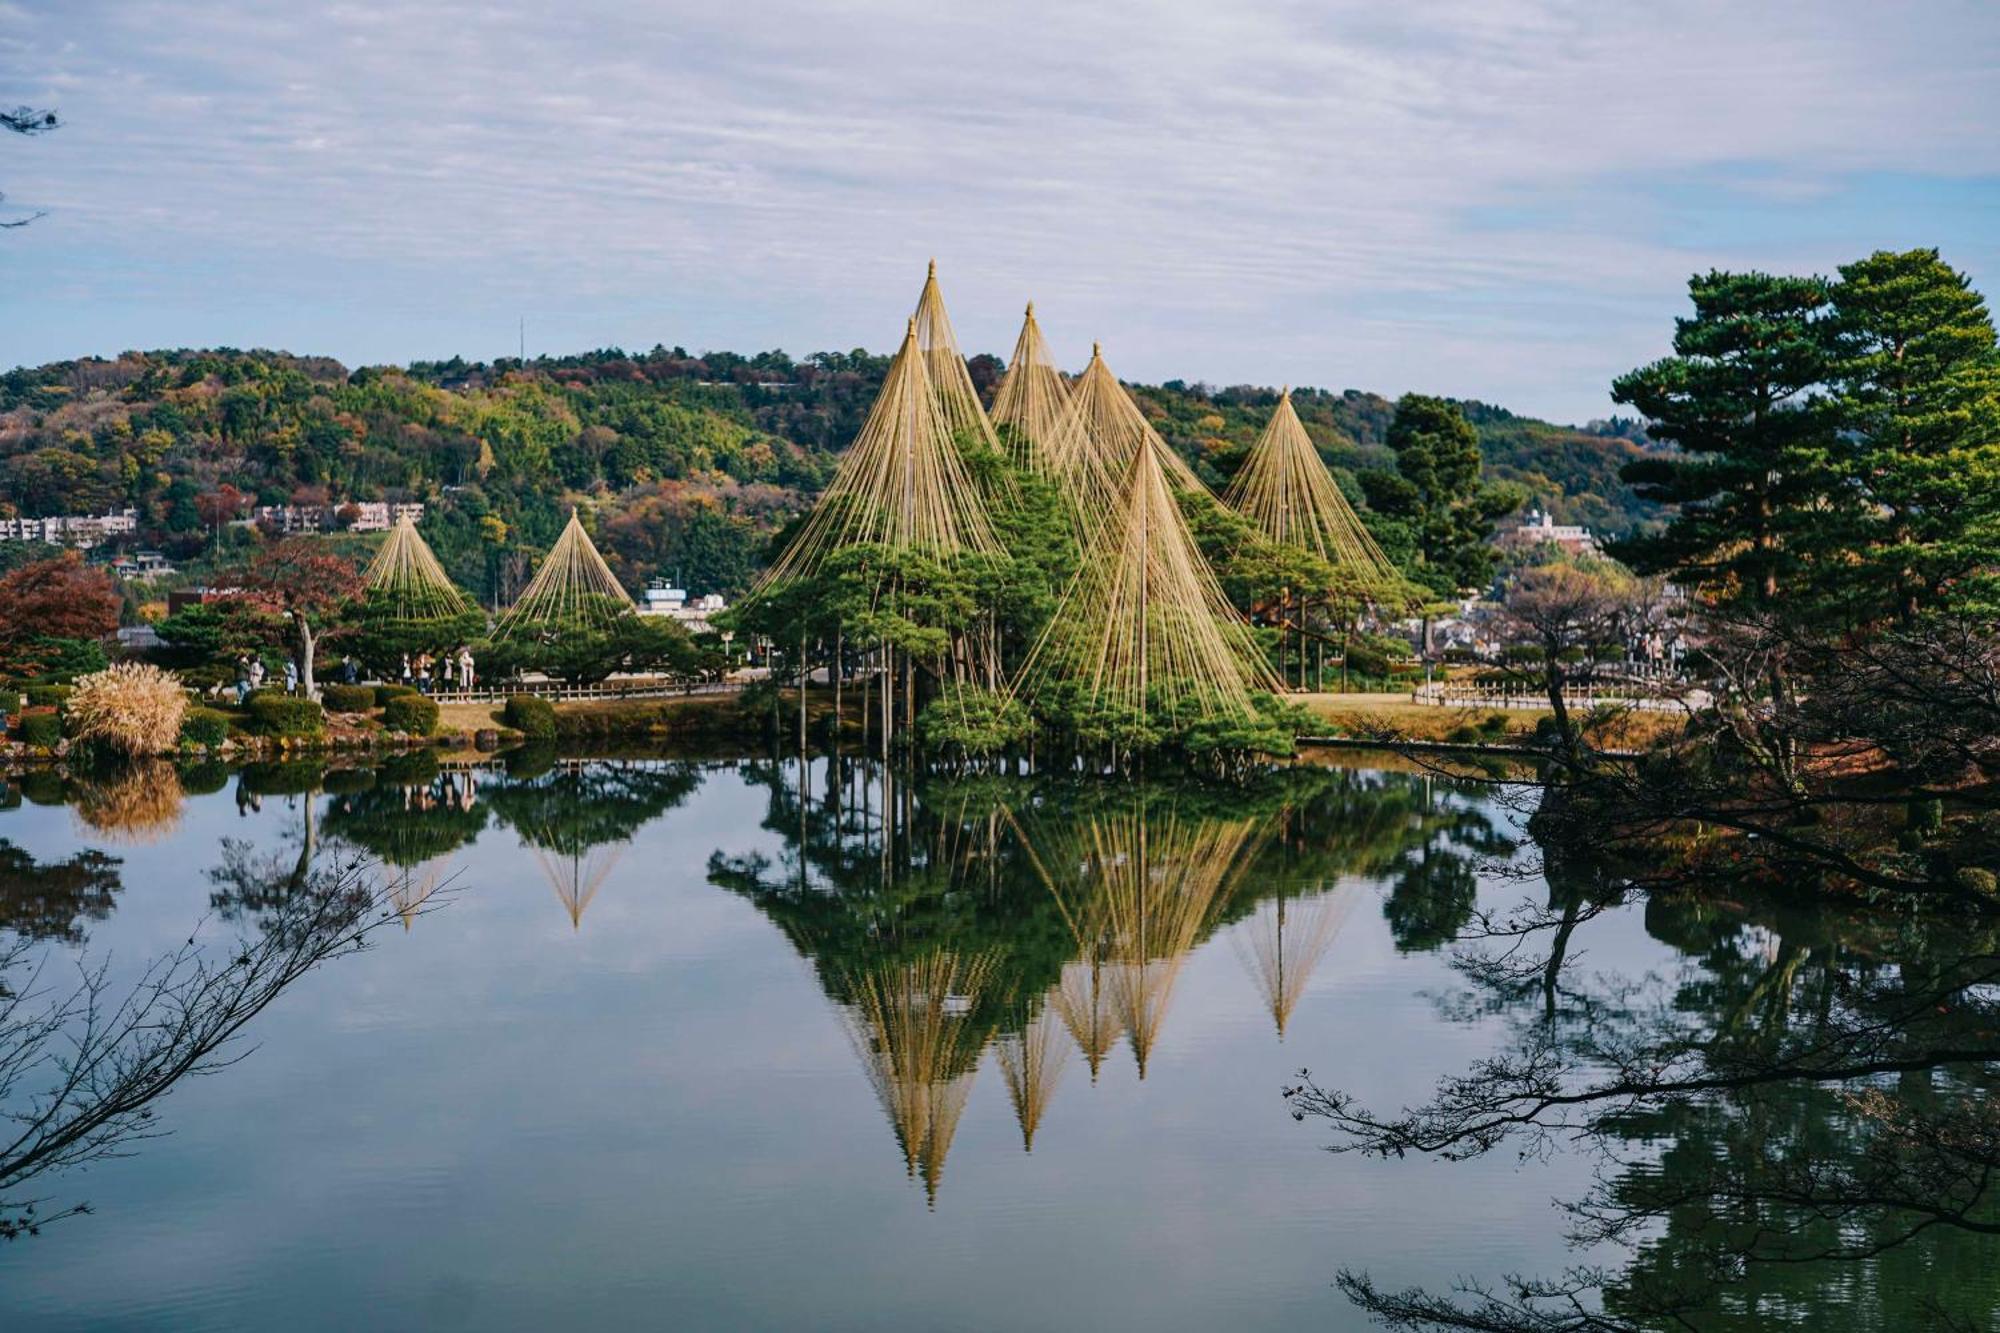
(1078, 902)
(50, 900)
(577, 815)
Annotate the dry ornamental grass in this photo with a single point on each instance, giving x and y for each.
(133, 708)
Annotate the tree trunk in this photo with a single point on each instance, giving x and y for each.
(306, 644)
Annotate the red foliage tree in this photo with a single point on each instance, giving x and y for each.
(62, 598)
(306, 586)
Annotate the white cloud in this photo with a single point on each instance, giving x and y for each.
(1214, 189)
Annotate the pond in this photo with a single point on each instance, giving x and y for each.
(758, 1043)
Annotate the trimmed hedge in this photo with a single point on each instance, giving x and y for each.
(348, 698)
(48, 696)
(384, 693)
(204, 727)
(42, 730)
(411, 713)
(284, 715)
(532, 717)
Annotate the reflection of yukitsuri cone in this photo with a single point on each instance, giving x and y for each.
(1032, 1063)
(573, 577)
(408, 575)
(900, 485)
(1286, 490)
(944, 366)
(138, 804)
(410, 887)
(578, 876)
(1165, 886)
(1144, 626)
(1032, 399)
(1082, 999)
(1287, 939)
(1094, 442)
(912, 1025)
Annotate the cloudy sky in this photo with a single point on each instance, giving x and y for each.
(1486, 198)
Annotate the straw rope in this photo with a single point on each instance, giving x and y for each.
(1285, 489)
(572, 578)
(1032, 399)
(1144, 625)
(407, 574)
(950, 381)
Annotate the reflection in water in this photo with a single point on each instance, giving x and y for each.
(412, 816)
(1794, 1129)
(50, 900)
(82, 1069)
(136, 802)
(1046, 919)
(577, 816)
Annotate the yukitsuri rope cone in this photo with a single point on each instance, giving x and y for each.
(1285, 489)
(1288, 938)
(407, 574)
(1081, 998)
(900, 485)
(912, 1026)
(1144, 627)
(573, 578)
(950, 381)
(1095, 441)
(1032, 399)
(1031, 1061)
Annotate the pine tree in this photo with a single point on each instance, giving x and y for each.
(1918, 385)
(1437, 493)
(1741, 397)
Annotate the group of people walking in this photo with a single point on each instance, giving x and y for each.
(450, 671)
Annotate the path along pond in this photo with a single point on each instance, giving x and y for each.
(760, 1043)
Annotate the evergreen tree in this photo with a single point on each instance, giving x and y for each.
(1437, 493)
(1740, 396)
(1918, 384)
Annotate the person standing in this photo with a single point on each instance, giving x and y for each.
(291, 676)
(242, 680)
(406, 668)
(256, 674)
(465, 675)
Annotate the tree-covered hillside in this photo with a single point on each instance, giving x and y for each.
(688, 462)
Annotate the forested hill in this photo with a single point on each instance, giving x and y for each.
(691, 460)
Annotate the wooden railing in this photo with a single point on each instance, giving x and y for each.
(557, 691)
(1647, 695)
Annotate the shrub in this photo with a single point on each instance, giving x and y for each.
(204, 728)
(43, 730)
(1464, 734)
(48, 696)
(1976, 879)
(411, 713)
(133, 708)
(283, 715)
(348, 698)
(384, 693)
(532, 717)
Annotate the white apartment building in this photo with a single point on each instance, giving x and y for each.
(79, 530)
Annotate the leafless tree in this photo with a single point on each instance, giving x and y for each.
(85, 1061)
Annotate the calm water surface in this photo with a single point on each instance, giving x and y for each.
(719, 1044)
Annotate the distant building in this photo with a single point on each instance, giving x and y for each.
(82, 531)
(180, 599)
(663, 599)
(354, 515)
(1541, 529)
(143, 565)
